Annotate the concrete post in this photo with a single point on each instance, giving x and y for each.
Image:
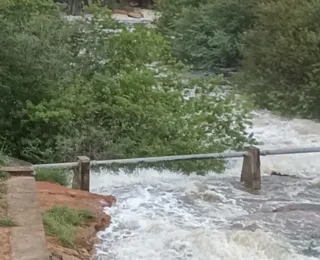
(251, 173)
(18, 170)
(81, 177)
(76, 182)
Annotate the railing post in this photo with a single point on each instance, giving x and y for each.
(251, 173)
(81, 177)
(76, 178)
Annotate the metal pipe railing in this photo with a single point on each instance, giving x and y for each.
(171, 158)
(68, 165)
(290, 151)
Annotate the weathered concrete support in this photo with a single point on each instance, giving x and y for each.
(24, 210)
(76, 179)
(18, 170)
(251, 173)
(81, 177)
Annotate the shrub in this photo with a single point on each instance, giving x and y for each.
(35, 62)
(4, 175)
(4, 160)
(207, 33)
(281, 64)
(96, 88)
(3, 186)
(53, 175)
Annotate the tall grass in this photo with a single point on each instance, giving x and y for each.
(53, 175)
(62, 222)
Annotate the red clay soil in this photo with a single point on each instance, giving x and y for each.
(53, 194)
(5, 249)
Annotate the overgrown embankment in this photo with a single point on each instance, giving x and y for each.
(71, 219)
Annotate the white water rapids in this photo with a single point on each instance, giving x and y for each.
(169, 216)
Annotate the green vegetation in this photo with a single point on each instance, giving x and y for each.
(4, 159)
(4, 175)
(53, 175)
(207, 33)
(70, 88)
(3, 188)
(7, 223)
(282, 58)
(274, 44)
(62, 222)
(98, 89)
(4, 220)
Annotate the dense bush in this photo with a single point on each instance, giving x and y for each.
(34, 67)
(58, 176)
(206, 33)
(282, 57)
(94, 88)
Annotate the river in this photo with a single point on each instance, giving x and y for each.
(169, 216)
(176, 217)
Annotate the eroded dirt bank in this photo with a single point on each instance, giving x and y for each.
(55, 195)
(5, 249)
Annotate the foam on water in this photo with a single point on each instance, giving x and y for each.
(171, 216)
(276, 132)
(176, 217)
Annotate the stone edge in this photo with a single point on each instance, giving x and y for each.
(28, 241)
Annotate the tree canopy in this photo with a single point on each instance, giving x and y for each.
(95, 88)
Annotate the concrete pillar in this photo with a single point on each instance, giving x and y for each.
(81, 177)
(251, 173)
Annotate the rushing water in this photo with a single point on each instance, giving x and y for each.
(169, 216)
(176, 217)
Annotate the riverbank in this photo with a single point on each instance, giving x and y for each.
(137, 15)
(51, 195)
(62, 222)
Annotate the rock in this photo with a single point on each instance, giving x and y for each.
(237, 226)
(134, 4)
(70, 251)
(102, 225)
(54, 256)
(298, 207)
(283, 175)
(72, 194)
(136, 15)
(279, 174)
(84, 253)
(252, 227)
(118, 11)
